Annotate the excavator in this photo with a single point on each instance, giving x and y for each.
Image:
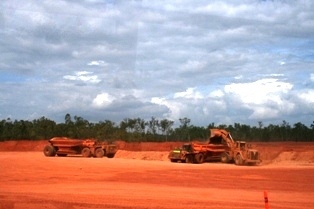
(238, 152)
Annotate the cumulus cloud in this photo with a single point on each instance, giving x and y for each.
(216, 94)
(307, 97)
(103, 100)
(97, 63)
(260, 91)
(83, 76)
(190, 93)
(267, 97)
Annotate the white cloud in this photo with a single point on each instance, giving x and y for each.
(265, 97)
(83, 76)
(103, 100)
(97, 63)
(260, 91)
(190, 93)
(158, 100)
(307, 97)
(261, 113)
(223, 8)
(276, 75)
(216, 94)
(238, 77)
(176, 107)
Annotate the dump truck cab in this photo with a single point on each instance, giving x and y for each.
(182, 154)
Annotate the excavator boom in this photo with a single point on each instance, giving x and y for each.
(221, 133)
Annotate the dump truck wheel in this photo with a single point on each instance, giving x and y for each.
(49, 151)
(238, 160)
(110, 155)
(225, 158)
(99, 153)
(189, 159)
(199, 158)
(86, 152)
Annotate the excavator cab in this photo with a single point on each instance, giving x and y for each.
(241, 145)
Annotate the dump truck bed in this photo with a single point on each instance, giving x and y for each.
(208, 147)
(65, 142)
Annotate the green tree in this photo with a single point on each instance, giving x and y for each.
(166, 127)
(153, 126)
(198, 133)
(43, 128)
(300, 132)
(7, 129)
(105, 130)
(21, 129)
(70, 129)
(81, 127)
(185, 128)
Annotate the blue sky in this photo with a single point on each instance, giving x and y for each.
(211, 61)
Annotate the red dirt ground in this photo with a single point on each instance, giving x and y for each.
(140, 176)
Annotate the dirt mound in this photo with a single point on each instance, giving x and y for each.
(286, 152)
(293, 157)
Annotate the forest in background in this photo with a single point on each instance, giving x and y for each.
(153, 130)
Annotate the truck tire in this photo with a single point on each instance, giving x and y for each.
(199, 158)
(225, 158)
(110, 155)
(238, 160)
(49, 151)
(99, 153)
(189, 159)
(86, 152)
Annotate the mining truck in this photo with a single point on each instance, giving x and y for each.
(63, 146)
(198, 152)
(238, 152)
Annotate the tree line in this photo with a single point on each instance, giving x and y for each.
(140, 130)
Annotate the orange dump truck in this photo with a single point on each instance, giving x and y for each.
(63, 146)
(197, 152)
